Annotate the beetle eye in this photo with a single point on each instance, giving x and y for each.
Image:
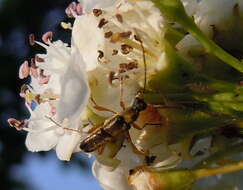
(140, 104)
(120, 119)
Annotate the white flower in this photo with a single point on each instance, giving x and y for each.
(59, 90)
(191, 6)
(117, 179)
(218, 13)
(112, 42)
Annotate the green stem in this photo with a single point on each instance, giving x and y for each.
(203, 173)
(211, 46)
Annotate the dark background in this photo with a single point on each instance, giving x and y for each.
(19, 18)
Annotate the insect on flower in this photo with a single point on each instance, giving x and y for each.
(119, 123)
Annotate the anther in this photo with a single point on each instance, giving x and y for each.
(126, 49)
(97, 12)
(33, 69)
(132, 65)
(123, 66)
(119, 18)
(32, 63)
(66, 26)
(112, 76)
(32, 39)
(101, 54)
(74, 9)
(24, 70)
(38, 98)
(102, 23)
(125, 34)
(18, 125)
(47, 37)
(114, 52)
(39, 59)
(24, 90)
(108, 34)
(43, 78)
(71, 7)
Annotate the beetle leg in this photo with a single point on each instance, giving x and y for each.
(154, 124)
(100, 108)
(95, 128)
(136, 126)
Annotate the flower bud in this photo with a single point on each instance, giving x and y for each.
(143, 178)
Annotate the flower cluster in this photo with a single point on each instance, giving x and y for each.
(145, 87)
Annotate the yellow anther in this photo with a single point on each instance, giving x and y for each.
(66, 26)
(29, 96)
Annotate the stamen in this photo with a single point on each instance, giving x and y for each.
(101, 54)
(97, 12)
(23, 90)
(132, 65)
(74, 9)
(125, 34)
(126, 49)
(66, 26)
(114, 52)
(108, 34)
(38, 98)
(112, 76)
(33, 69)
(116, 37)
(102, 23)
(70, 7)
(79, 9)
(24, 70)
(39, 59)
(43, 78)
(47, 37)
(119, 18)
(59, 125)
(32, 39)
(18, 125)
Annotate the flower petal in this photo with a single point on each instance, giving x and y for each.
(42, 136)
(92, 41)
(88, 5)
(115, 180)
(74, 91)
(67, 144)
